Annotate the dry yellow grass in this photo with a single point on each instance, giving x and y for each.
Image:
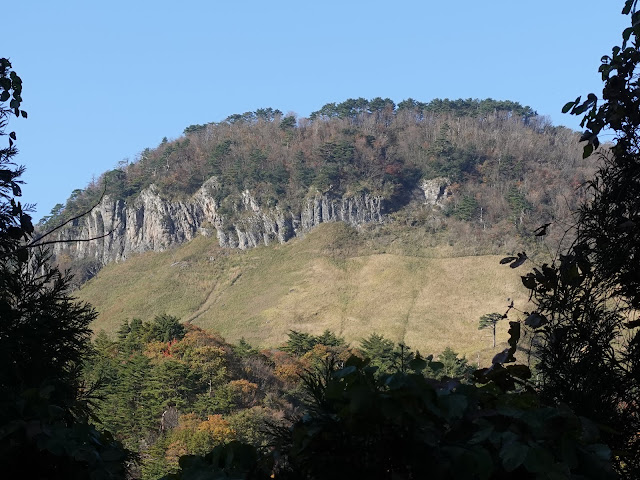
(330, 279)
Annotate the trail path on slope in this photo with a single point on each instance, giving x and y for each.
(405, 324)
(212, 298)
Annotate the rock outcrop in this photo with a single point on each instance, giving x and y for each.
(151, 222)
(436, 191)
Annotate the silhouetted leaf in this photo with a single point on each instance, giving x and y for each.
(541, 231)
(501, 357)
(513, 454)
(535, 320)
(417, 364)
(632, 324)
(522, 257)
(519, 371)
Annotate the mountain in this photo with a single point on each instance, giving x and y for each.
(419, 197)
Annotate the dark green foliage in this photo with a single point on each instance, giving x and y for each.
(351, 108)
(330, 339)
(404, 426)
(518, 204)
(233, 460)
(452, 366)
(165, 328)
(199, 375)
(300, 343)
(466, 209)
(379, 350)
(194, 129)
(474, 108)
(268, 114)
(288, 122)
(243, 349)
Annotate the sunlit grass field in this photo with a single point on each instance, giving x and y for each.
(332, 279)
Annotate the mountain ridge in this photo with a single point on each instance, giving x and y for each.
(262, 176)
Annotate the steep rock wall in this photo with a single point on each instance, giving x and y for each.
(150, 222)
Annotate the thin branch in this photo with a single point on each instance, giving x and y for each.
(38, 243)
(72, 240)
(34, 243)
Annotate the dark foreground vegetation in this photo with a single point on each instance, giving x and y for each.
(383, 413)
(217, 393)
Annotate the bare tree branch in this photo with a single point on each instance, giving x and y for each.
(38, 243)
(34, 243)
(72, 240)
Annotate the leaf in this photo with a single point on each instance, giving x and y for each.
(519, 371)
(587, 135)
(588, 150)
(481, 435)
(501, 357)
(529, 281)
(632, 324)
(22, 255)
(535, 320)
(514, 334)
(417, 364)
(507, 260)
(541, 231)
(14, 232)
(513, 454)
(4, 96)
(538, 460)
(567, 106)
(455, 404)
(13, 135)
(24, 114)
(522, 257)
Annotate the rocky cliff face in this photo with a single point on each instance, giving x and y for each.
(436, 191)
(151, 222)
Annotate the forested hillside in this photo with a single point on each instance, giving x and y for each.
(502, 170)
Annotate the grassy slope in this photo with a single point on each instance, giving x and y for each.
(331, 279)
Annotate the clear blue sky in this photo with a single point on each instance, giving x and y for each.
(104, 80)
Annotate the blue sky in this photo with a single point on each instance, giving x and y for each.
(104, 80)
